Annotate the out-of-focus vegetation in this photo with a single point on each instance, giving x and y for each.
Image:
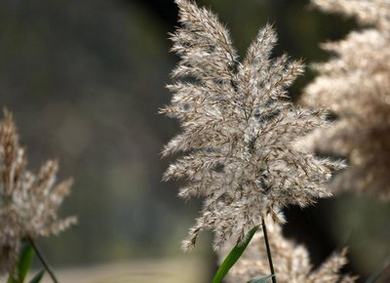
(168, 270)
(85, 80)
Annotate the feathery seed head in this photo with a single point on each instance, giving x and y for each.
(293, 261)
(28, 202)
(237, 129)
(355, 84)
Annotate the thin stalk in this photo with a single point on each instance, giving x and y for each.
(43, 261)
(271, 266)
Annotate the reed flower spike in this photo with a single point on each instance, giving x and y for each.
(238, 126)
(355, 85)
(293, 262)
(28, 202)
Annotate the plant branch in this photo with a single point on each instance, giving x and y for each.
(43, 261)
(271, 266)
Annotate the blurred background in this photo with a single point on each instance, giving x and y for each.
(85, 80)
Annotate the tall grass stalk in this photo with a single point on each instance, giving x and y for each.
(269, 255)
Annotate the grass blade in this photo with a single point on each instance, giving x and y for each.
(232, 257)
(25, 260)
(38, 277)
(23, 264)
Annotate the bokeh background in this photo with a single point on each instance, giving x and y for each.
(85, 80)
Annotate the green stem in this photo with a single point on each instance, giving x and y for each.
(271, 266)
(43, 261)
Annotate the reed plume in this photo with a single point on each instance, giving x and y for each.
(355, 85)
(28, 202)
(238, 126)
(292, 262)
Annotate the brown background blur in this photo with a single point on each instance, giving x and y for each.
(85, 80)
